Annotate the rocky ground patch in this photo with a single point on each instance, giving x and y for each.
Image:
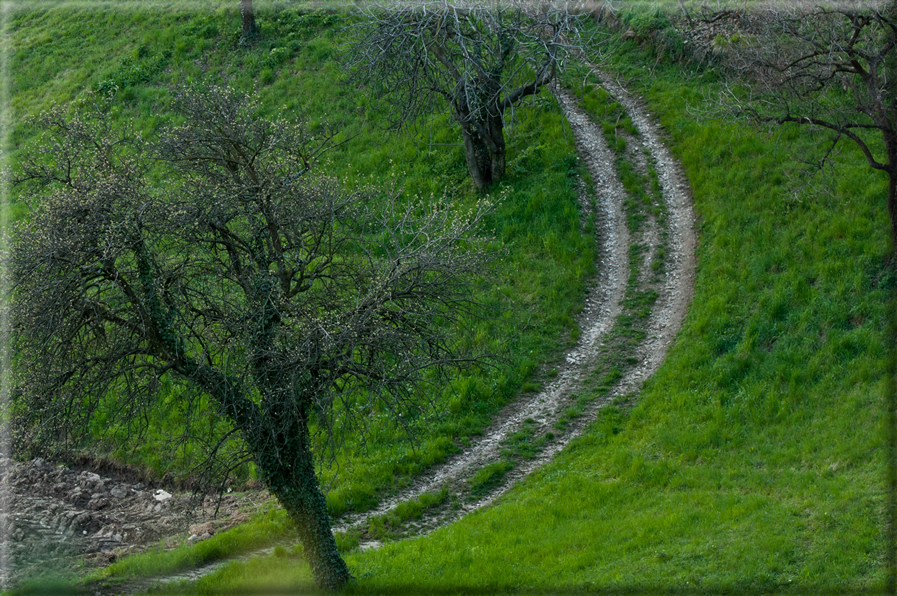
(55, 519)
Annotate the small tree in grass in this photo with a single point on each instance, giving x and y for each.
(831, 67)
(481, 58)
(282, 298)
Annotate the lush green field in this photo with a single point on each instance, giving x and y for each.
(531, 292)
(752, 461)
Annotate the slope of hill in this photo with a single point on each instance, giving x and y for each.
(752, 460)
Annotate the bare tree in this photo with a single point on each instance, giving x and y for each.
(282, 298)
(831, 67)
(481, 58)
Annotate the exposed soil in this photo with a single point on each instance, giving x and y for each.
(56, 519)
(71, 512)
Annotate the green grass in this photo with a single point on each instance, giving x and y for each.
(389, 525)
(531, 293)
(258, 576)
(752, 460)
(524, 444)
(488, 477)
(261, 531)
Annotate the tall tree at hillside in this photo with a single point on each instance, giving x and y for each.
(281, 298)
(830, 68)
(247, 20)
(480, 58)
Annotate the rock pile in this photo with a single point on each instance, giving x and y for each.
(54, 518)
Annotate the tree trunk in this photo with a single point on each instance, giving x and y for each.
(287, 467)
(477, 156)
(497, 153)
(485, 157)
(891, 146)
(247, 17)
(279, 441)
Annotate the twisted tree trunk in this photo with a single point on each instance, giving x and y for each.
(282, 452)
(290, 476)
(278, 438)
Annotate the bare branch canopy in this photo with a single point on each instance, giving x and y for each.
(479, 58)
(832, 67)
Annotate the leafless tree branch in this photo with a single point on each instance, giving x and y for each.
(480, 57)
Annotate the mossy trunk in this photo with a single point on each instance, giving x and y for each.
(277, 435)
(287, 468)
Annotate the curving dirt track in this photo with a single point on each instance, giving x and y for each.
(678, 288)
(603, 305)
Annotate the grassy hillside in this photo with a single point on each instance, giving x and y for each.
(752, 460)
(531, 292)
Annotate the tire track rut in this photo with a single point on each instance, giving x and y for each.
(603, 305)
